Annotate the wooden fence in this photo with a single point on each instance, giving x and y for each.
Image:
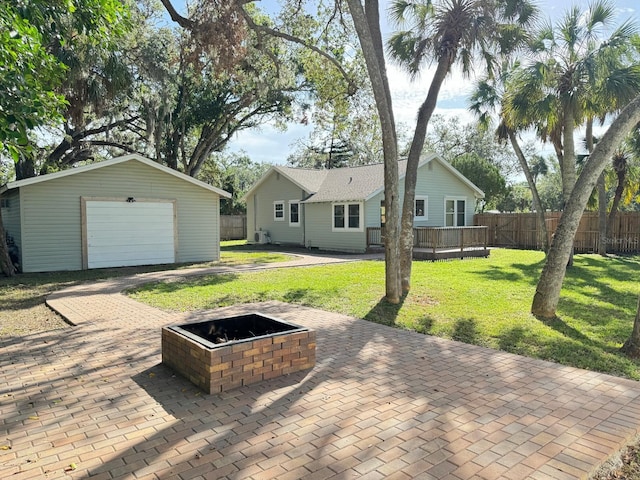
(233, 227)
(519, 230)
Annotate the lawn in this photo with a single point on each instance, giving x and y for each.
(22, 307)
(481, 301)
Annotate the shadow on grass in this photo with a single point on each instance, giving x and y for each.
(424, 325)
(528, 272)
(177, 285)
(466, 330)
(511, 340)
(384, 312)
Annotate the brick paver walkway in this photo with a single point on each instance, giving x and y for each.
(95, 401)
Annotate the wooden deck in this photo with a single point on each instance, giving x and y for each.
(439, 243)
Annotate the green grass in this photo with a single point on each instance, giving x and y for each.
(22, 308)
(482, 301)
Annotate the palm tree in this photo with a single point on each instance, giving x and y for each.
(445, 33)
(487, 98)
(625, 174)
(576, 76)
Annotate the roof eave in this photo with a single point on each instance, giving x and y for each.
(273, 168)
(113, 161)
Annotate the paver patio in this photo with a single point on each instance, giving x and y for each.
(380, 403)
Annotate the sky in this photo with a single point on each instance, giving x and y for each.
(270, 145)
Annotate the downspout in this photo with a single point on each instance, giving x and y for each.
(303, 212)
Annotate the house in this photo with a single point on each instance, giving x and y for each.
(125, 211)
(332, 209)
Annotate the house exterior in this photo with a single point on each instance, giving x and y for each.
(332, 209)
(120, 212)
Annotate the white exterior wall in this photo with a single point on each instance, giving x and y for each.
(50, 213)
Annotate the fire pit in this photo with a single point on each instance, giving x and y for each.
(225, 353)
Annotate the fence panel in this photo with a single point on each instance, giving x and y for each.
(233, 227)
(519, 230)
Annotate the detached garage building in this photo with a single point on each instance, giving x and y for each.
(121, 212)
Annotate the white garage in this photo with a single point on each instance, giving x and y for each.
(120, 212)
(129, 232)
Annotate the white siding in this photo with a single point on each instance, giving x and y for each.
(51, 217)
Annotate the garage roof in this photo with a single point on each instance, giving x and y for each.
(113, 161)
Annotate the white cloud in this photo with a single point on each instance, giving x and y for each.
(269, 144)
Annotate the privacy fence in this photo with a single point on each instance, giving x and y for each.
(519, 230)
(233, 227)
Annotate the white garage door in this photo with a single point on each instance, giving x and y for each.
(129, 233)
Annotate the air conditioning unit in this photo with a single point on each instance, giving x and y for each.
(262, 236)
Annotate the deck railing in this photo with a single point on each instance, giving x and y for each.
(438, 238)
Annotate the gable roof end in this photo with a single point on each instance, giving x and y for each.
(306, 179)
(107, 163)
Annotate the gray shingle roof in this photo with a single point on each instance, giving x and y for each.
(341, 184)
(350, 183)
(309, 179)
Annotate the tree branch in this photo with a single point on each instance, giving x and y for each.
(184, 22)
(59, 152)
(291, 38)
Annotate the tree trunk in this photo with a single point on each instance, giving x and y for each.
(545, 300)
(367, 25)
(603, 234)
(621, 174)
(25, 167)
(568, 164)
(6, 265)
(424, 115)
(537, 203)
(602, 196)
(568, 160)
(631, 347)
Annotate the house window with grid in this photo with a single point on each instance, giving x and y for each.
(278, 210)
(421, 206)
(454, 212)
(347, 217)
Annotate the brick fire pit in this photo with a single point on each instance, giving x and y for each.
(221, 354)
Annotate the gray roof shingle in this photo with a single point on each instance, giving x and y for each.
(349, 183)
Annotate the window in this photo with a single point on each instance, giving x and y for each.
(383, 216)
(347, 216)
(454, 212)
(278, 210)
(4, 203)
(421, 206)
(338, 216)
(294, 213)
(354, 216)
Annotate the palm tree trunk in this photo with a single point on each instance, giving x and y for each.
(602, 196)
(569, 173)
(367, 25)
(621, 169)
(545, 300)
(537, 203)
(632, 346)
(417, 144)
(603, 233)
